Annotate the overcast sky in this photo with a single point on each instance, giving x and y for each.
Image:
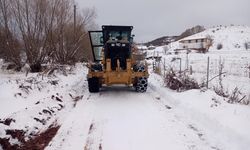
(154, 18)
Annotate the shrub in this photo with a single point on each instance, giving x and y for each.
(220, 91)
(233, 97)
(179, 82)
(219, 46)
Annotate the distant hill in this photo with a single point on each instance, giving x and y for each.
(165, 40)
(191, 31)
(162, 41)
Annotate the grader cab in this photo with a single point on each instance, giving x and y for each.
(116, 60)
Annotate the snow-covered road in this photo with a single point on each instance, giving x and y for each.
(119, 118)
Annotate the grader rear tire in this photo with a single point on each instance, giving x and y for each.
(94, 85)
(142, 84)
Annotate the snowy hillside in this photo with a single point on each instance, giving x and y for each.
(231, 38)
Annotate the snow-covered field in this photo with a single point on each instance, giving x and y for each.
(37, 102)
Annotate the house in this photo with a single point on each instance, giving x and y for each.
(200, 44)
(142, 47)
(151, 47)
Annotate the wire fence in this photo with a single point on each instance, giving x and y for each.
(238, 67)
(207, 69)
(227, 73)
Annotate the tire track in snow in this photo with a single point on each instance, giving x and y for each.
(94, 140)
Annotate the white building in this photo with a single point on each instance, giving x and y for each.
(200, 44)
(142, 47)
(151, 47)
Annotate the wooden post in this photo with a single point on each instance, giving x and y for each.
(249, 70)
(180, 65)
(154, 65)
(164, 73)
(191, 70)
(207, 70)
(187, 62)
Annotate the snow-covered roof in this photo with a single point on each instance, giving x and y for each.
(142, 47)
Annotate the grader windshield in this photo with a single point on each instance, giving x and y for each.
(117, 33)
(115, 40)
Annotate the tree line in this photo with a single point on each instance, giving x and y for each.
(44, 31)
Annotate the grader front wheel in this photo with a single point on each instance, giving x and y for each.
(94, 85)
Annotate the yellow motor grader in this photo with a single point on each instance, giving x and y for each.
(116, 60)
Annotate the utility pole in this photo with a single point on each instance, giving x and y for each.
(74, 23)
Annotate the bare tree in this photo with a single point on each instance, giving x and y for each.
(35, 21)
(47, 29)
(70, 45)
(10, 46)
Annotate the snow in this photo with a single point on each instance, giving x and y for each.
(158, 119)
(119, 118)
(235, 59)
(226, 123)
(39, 106)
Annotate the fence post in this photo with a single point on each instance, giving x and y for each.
(187, 61)
(164, 67)
(249, 70)
(180, 65)
(154, 65)
(207, 70)
(191, 70)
